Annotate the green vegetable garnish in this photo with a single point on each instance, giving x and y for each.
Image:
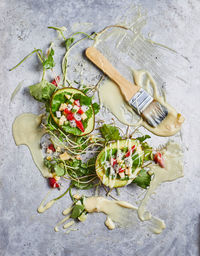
(143, 179)
(109, 132)
(42, 91)
(49, 61)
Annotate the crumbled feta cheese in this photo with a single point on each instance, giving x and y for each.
(128, 161)
(107, 164)
(49, 151)
(77, 117)
(69, 106)
(63, 106)
(62, 120)
(72, 123)
(119, 155)
(84, 108)
(83, 116)
(76, 108)
(58, 114)
(122, 175)
(128, 171)
(58, 149)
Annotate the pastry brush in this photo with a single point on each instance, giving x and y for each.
(141, 101)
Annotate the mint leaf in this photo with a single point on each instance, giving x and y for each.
(96, 107)
(143, 179)
(42, 91)
(49, 62)
(110, 132)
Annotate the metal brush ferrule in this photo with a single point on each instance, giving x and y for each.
(140, 101)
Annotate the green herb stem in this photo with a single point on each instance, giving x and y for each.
(26, 57)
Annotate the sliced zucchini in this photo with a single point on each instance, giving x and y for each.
(112, 148)
(58, 98)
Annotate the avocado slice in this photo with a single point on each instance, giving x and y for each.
(58, 98)
(113, 147)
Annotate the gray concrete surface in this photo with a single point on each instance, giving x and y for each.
(23, 26)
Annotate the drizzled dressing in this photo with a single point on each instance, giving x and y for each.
(173, 170)
(27, 131)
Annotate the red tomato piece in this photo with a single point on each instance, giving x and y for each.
(158, 159)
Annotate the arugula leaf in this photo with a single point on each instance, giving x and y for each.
(42, 91)
(84, 100)
(110, 132)
(49, 62)
(143, 138)
(143, 179)
(96, 107)
(69, 42)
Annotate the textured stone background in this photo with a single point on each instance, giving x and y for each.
(22, 230)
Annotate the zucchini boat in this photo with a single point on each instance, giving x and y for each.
(119, 163)
(72, 111)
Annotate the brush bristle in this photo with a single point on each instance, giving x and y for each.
(154, 113)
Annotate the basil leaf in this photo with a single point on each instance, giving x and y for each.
(110, 132)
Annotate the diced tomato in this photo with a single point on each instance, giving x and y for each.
(66, 111)
(121, 170)
(51, 147)
(114, 162)
(70, 116)
(159, 159)
(53, 183)
(80, 125)
(77, 103)
(80, 111)
(56, 80)
(130, 151)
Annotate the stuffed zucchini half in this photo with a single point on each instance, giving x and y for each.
(119, 163)
(72, 111)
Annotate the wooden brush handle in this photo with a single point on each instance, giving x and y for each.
(127, 88)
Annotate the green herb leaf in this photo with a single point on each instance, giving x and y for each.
(96, 107)
(110, 132)
(77, 211)
(84, 100)
(143, 138)
(42, 91)
(49, 62)
(143, 179)
(69, 42)
(59, 170)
